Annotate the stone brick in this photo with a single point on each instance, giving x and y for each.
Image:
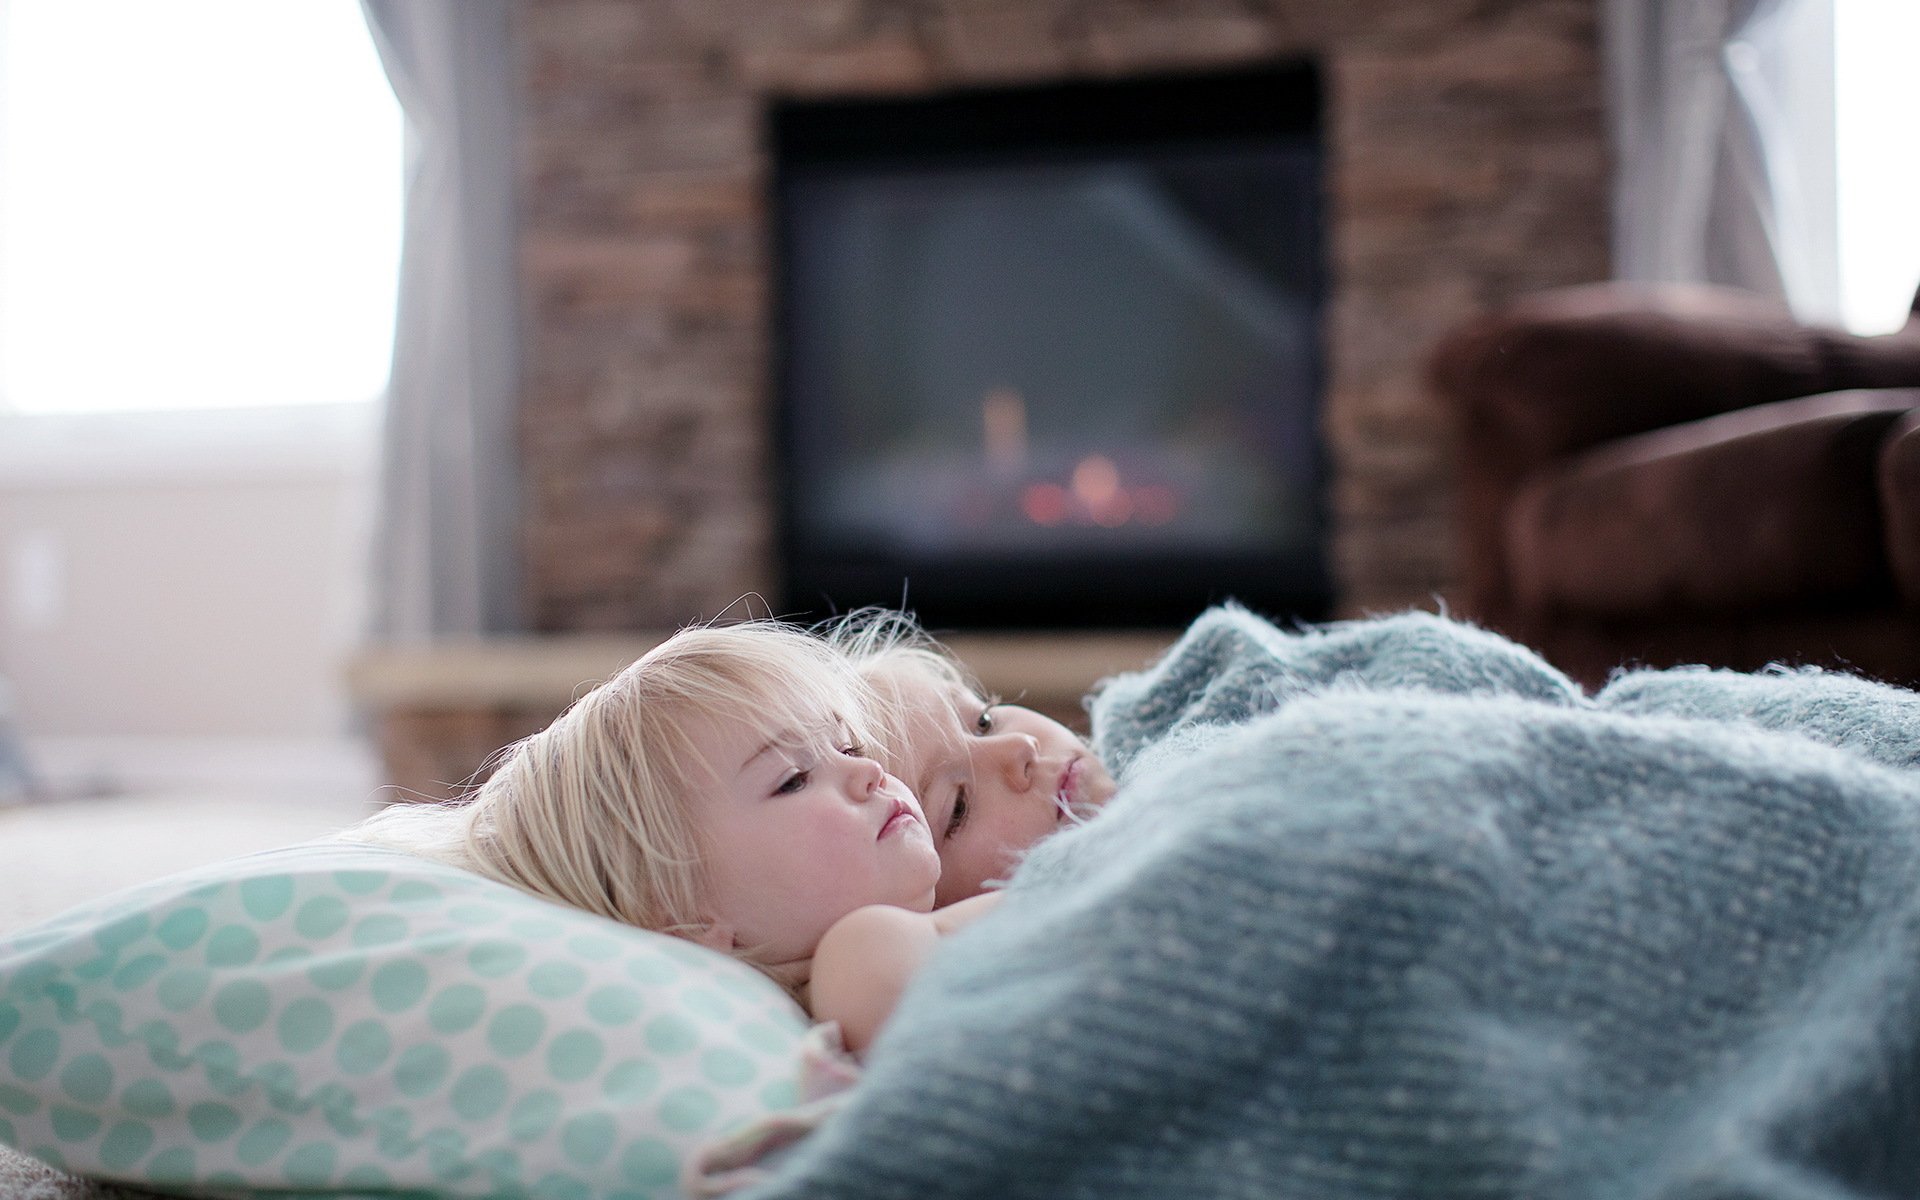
(695, 199)
(985, 43)
(606, 272)
(1410, 23)
(1384, 331)
(431, 755)
(1388, 564)
(804, 24)
(1160, 37)
(557, 36)
(880, 65)
(602, 134)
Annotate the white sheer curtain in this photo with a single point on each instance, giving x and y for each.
(1722, 114)
(446, 560)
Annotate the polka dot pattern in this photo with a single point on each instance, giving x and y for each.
(305, 1025)
(233, 946)
(398, 985)
(336, 1018)
(421, 1070)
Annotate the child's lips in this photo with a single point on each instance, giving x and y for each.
(1063, 795)
(900, 818)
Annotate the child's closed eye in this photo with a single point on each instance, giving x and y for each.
(959, 814)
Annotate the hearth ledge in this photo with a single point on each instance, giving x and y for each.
(1050, 670)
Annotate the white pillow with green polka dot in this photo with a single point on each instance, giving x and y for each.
(337, 1019)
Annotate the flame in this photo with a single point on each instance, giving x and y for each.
(1044, 503)
(1003, 421)
(1094, 495)
(1156, 504)
(1096, 481)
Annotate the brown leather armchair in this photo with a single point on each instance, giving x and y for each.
(1666, 474)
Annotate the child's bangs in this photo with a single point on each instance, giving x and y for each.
(785, 685)
(819, 707)
(902, 684)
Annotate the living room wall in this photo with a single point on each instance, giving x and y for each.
(1468, 166)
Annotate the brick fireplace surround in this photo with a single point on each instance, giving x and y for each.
(1466, 165)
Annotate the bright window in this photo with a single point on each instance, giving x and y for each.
(200, 205)
(1875, 45)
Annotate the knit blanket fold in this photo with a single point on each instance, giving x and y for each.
(1391, 908)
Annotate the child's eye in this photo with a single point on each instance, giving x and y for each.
(854, 750)
(959, 816)
(984, 725)
(792, 783)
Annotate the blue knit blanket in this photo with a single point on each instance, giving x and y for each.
(1393, 909)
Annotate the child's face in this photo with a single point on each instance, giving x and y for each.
(802, 832)
(994, 779)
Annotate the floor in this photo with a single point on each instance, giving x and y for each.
(58, 854)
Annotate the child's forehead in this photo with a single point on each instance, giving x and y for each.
(938, 709)
(917, 690)
(729, 741)
(784, 709)
(934, 745)
(921, 681)
(795, 726)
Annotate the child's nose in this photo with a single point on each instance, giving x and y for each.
(1017, 753)
(868, 774)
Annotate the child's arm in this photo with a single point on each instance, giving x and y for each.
(866, 958)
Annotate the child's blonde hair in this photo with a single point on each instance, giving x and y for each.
(888, 648)
(891, 651)
(596, 810)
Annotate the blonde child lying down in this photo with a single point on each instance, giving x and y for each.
(729, 788)
(994, 777)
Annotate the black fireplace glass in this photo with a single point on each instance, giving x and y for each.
(1051, 357)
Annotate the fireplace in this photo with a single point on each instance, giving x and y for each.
(1052, 355)
(1466, 163)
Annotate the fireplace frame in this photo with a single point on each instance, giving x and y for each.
(1144, 588)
